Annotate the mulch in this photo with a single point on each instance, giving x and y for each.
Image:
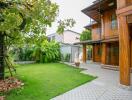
(9, 84)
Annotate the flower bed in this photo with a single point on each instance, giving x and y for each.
(9, 84)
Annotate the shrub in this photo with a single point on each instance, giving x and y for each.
(86, 35)
(48, 52)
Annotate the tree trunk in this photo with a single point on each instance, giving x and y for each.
(1, 56)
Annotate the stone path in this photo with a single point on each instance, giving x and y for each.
(105, 87)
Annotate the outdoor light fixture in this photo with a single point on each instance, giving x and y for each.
(111, 4)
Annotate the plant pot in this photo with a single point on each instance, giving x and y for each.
(77, 64)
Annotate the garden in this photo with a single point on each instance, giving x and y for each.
(23, 27)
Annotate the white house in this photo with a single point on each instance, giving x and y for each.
(67, 39)
(68, 36)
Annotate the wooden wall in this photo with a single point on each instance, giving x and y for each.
(95, 32)
(123, 3)
(108, 31)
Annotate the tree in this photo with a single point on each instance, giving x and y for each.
(24, 21)
(86, 35)
(21, 19)
(67, 23)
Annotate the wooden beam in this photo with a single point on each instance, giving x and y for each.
(84, 53)
(104, 53)
(124, 53)
(125, 11)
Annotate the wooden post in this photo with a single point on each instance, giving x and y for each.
(93, 53)
(124, 53)
(104, 53)
(1, 56)
(84, 53)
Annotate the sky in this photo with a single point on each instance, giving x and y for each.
(72, 9)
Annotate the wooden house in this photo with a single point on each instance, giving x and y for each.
(111, 35)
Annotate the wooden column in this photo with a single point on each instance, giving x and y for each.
(124, 53)
(84, 53)
(93, 53)
(104, 53)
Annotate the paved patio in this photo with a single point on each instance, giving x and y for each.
(105, 87)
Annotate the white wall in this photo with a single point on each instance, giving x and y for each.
(71, 37)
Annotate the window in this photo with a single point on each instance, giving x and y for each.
(98, 30)
(49, 39)
(113, 21)
(53, 38)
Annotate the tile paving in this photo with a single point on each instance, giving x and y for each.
(105, 87)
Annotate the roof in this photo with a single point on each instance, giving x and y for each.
(98, 7)
(90, 42)
(68, 44)
(89, 26)
(65, 31)
(72, 31)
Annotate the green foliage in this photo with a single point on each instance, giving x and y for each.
(26, 20)
(67, 23)
(50, 52)
(86, 35)
(43, 53)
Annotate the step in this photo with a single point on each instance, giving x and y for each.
(110, 67)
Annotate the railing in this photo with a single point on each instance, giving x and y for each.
(110, 36)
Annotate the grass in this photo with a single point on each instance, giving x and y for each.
(45, 81)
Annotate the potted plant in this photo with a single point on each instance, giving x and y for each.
(77, 63)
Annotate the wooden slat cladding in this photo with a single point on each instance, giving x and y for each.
(107, 24)
(95, 32)
(123, 3)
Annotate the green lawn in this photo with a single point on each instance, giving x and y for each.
(45, 81)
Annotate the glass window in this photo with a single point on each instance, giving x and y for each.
(53, 38)
(113, 21)
(49, 39)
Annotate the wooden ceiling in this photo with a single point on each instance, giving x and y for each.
(94, 11)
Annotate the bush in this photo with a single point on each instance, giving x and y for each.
(86, 35)
(46, 52)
